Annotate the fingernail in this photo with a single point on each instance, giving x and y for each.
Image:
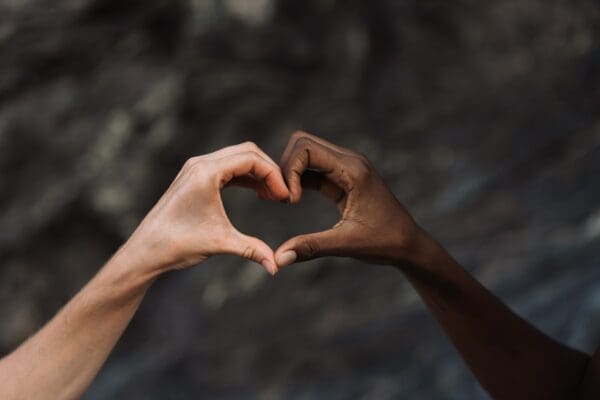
(286, 258)
(269, 266)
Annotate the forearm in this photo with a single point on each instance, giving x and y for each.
(510, 357)
(186, 226)
(61, 360)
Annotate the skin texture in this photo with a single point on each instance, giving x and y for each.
(187, 225)
(511, 358)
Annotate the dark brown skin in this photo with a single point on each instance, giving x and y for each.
(510, 357)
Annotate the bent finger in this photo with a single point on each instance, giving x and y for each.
(249, 163)
(308, 154)
(252, 249)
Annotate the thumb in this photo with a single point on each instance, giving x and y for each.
(253, 249)
(308, 247)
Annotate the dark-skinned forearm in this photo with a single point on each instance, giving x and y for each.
(510, 357)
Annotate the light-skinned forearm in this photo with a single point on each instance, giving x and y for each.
(510, 357)
(186, 226)
(61, 360)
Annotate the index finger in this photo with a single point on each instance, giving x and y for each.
(250, 163)
(305, 154)
(301, 134)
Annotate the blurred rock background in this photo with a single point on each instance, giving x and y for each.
(482, 116)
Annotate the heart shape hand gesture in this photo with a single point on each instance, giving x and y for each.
(189, 223)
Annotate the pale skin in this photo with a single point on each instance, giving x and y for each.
(187, 226)
(510, 357)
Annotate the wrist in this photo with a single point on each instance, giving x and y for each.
(147, 256)
(419, 251)
(133, 262)
(121, 280)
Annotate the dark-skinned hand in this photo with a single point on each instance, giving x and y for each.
(373, 225)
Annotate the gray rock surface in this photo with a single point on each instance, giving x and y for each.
(482, 116)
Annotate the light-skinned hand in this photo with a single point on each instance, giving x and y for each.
(189, 223)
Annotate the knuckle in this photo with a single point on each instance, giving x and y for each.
(194, 166)
(199, 170)
(363, 159)
(251, 154)
(298, 134)
(303, 143)
(250, 145)
(249, 252)
(189, 162)
(196, 178)
(361, 170)
(362, 174)
(311, 248)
